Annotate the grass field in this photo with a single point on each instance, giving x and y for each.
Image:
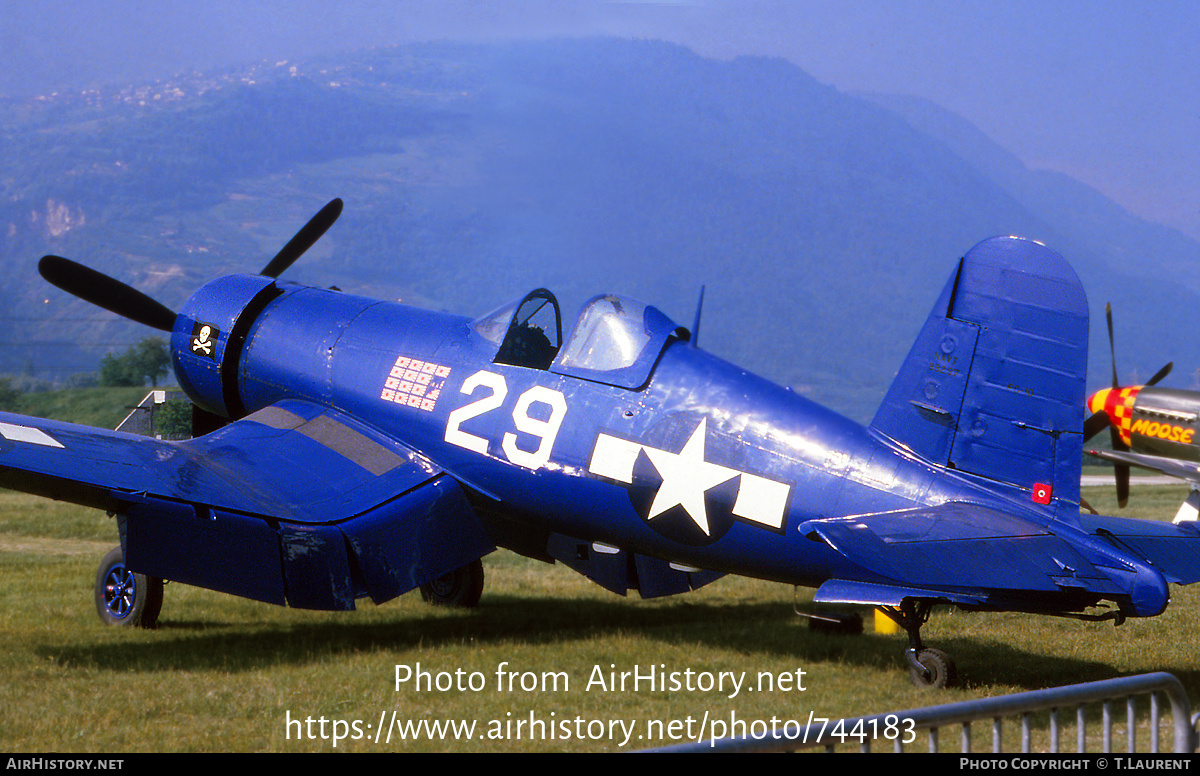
(226, 674)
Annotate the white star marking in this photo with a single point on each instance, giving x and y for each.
(685, 478)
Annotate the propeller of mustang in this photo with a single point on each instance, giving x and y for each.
(1100, 419)
(124, 300)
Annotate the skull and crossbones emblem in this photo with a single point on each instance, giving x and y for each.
(204, 337)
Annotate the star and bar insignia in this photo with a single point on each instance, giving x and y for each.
(685, 496)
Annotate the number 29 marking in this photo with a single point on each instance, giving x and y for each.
(545, 430)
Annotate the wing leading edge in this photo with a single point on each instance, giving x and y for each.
(1188, 471)
(296, 503)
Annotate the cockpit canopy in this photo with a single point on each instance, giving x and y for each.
(615, 340)
(533, 332)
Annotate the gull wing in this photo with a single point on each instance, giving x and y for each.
(295, 503)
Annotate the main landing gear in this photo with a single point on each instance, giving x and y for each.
(928, 667)
(133, 600)
(461, 587)
(126, 598)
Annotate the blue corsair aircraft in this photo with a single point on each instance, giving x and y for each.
(361, 448)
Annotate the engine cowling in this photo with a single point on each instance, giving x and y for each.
(210, 334)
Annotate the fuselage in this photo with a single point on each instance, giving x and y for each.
(703, 463)
(373, 448)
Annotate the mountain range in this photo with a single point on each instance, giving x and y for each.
(822, 224)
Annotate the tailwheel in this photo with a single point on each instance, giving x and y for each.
(124, 597)
(937, 670)
(928, 667)
(461, 587)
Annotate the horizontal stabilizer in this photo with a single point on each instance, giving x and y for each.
(841, 591)
(1173, 549)
(959, 547)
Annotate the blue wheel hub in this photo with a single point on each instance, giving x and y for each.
(119, 591)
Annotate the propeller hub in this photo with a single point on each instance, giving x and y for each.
(1117, 404)
(1098, 400)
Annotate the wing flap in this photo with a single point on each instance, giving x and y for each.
(210, 548)
(383, 553)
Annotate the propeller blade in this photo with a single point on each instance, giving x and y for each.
(1120, 470)
(1112, 352)
(1095, 424)
(1160, 374)
(304, 239)
(103, 291)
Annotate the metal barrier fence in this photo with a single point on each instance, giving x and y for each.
(147, 418)
(897, 730)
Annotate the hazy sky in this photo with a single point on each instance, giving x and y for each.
(1108, 92)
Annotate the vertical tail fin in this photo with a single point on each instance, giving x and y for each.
(994, 384)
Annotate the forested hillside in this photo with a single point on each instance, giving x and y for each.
(823, 224)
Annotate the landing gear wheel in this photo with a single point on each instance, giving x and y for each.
(939, 672)
(125, 598)
(927, 667)
(461, 587)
